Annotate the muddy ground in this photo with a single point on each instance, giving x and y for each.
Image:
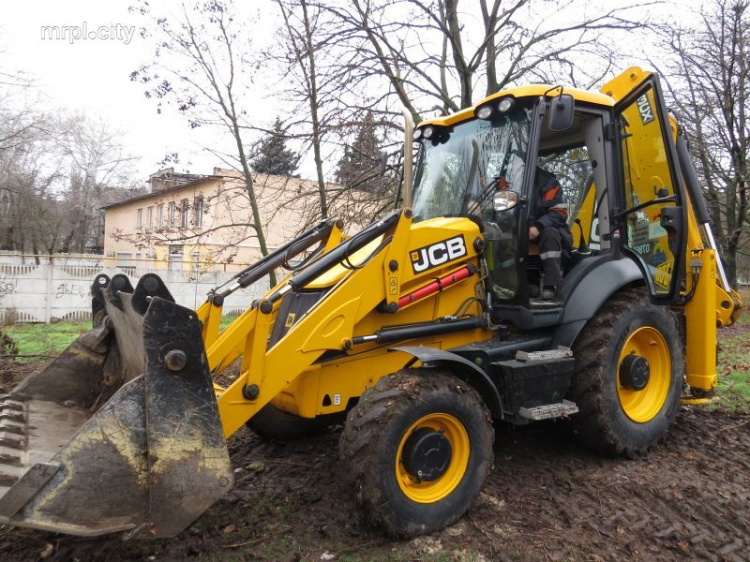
(546, 499)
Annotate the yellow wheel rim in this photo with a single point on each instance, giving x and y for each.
(643, 405)
(430, 492)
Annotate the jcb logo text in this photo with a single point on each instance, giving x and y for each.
(437, 254)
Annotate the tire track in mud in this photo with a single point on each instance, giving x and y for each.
(546, 498)
(688, 498)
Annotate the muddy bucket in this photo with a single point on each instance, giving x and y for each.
(122, 431)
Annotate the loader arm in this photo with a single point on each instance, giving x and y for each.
(382, 267)
(328, 232)
(122, 431)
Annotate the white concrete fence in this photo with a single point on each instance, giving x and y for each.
(59, 288)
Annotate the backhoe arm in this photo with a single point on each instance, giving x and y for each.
(711, 302)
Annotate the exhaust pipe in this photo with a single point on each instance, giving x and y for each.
(408, 158)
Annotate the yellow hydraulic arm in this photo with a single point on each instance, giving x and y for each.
(711, 302)
(361, 298)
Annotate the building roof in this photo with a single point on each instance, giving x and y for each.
(161, 192)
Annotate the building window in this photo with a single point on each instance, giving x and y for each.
(139, 219)
(160, 216)
(184, 207)
(175, 258)
(150, 220)
(199, 212)
(172, 214)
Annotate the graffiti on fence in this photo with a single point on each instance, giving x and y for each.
(73, 290)
(45, 292)
(6, 287)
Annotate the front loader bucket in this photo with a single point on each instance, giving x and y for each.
(87, 448)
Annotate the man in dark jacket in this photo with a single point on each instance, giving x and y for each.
(549, 228)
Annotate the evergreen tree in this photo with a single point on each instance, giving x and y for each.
(271, 156)
(358, 167)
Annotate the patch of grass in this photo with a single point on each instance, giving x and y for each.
(734, 364)
(36, 342)
(44, 339)
(226, 320)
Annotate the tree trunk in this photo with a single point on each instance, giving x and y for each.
(464, 73)
(248, 177)
(313, 98)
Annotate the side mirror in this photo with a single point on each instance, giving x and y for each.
(382, 162)
(561, 112)
(504, 200)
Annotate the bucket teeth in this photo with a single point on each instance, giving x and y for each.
(13, 441)
(7, 479)
(10, 460)
(13, 424)
(14, 429)
(11, 406)
(18, 444)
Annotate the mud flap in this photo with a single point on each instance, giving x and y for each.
(149, 461)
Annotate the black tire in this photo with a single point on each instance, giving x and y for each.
(603, 423)
(380, 423)
(274, 424)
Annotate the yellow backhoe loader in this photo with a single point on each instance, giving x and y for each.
(426, 327)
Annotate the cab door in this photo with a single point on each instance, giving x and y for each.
(650, 218)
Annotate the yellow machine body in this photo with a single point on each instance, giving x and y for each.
(304, 386)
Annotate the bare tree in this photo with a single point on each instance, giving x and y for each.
(436, 56)
(95, 169)
(710, 79)
(201, 66)
(315, 82)
(350, 59)
(306, 39)
(55, 169)
(54, 176)
(28, 173)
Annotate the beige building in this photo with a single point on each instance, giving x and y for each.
(203, 223)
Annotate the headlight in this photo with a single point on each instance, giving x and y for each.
(417, 134)
(484, 112)
(504, 200)
(428, 132)
(506, 104)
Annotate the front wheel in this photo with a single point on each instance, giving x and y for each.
(629, 375)
(417, 449)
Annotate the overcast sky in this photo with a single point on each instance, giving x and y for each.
(92, 75)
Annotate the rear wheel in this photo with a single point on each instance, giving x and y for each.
(417, 449)
(629, 375)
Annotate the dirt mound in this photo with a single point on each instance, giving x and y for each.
(546, 499)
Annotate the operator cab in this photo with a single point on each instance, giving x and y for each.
(483, 163)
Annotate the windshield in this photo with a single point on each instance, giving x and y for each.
(457, 171)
